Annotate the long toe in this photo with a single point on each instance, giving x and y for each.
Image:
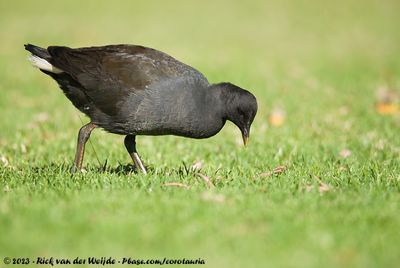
(74, 169)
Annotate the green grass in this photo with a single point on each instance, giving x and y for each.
(320, 62)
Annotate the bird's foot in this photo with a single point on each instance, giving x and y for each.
(74, 169)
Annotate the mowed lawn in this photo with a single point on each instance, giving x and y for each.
(318, 185)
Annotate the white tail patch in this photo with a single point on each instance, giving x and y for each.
(43, 64)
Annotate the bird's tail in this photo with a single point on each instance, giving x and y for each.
(38, 51)
(40, 59)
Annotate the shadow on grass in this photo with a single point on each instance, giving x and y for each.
(121, 169)
(66, 168)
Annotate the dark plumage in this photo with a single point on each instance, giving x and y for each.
(135, 90)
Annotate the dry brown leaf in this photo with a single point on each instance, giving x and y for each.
(345, 153)
(177, 184)
(387, 108)
(277, 170)
(213, 197)
(387, 100)
(309, 188)
(197, 165)
(322, 188)
(385, 94)
(277, 117)
(206, 180)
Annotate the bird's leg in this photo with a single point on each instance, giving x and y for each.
(83, 136)
(130, 145)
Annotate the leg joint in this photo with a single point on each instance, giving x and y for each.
(84, 132)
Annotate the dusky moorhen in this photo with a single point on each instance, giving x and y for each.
(134, 90)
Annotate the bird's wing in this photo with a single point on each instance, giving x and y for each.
(109, 74)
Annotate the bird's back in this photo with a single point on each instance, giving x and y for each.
(119, 86)
(119, 66)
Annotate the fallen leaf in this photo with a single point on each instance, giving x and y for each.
(277, 170)
(177, 184)
(384, 94)
(345, 153)
(323, 188)
(387, 108)
(309, 188)
(197, 165)
(277, 117)
(206, 180)
(387, 101)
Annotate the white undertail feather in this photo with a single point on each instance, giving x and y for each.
(43, 64)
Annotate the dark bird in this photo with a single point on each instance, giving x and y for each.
(134, 90)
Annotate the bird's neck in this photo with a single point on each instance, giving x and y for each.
(219, 101)
(215, 104)
(212, 112)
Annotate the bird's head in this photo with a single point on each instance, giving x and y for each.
(240, 107)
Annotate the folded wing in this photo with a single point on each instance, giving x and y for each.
(109, 74)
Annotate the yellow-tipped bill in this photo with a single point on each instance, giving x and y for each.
(245, 139)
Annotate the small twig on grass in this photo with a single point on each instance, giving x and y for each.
(177, 184)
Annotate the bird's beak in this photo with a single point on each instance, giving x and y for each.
(245, 136)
